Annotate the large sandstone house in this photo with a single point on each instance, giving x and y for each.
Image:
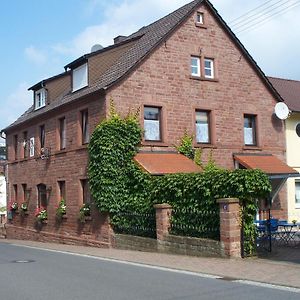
(186, 72)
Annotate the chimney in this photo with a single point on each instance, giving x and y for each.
(119, 39)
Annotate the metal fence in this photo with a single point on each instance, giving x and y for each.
(196, 223)
(135, 223)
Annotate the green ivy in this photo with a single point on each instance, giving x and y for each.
(119, 186)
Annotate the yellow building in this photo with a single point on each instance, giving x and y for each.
(290, 92)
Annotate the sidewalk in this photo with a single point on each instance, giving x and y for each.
(254, 269)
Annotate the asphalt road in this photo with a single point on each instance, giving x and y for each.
(33, 274)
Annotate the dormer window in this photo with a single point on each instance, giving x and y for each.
(80, 77)
(40, 98)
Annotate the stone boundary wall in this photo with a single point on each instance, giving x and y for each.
(130, 242)
(190, 246)
(171, 244)
(25, 233)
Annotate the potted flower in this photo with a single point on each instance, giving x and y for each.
(13, 206)
(84, 211)
(294, 222)
(41, 214)
(23, 208)
(61, 209)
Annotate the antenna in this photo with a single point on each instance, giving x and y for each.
(282, 111)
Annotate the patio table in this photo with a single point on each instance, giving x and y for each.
(286, 232)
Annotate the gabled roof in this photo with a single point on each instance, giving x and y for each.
(148, 38)
(289, 91)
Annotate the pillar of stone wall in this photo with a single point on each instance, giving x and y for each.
(163, 216)
(230, 228)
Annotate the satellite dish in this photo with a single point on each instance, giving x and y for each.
(282, 111)
(96, 47)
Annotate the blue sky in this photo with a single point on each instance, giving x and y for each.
(39, 37)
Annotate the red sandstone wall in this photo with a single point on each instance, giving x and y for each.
(164, 80)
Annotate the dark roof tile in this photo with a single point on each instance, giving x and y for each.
(289, 91)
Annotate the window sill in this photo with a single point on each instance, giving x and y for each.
(248, 147)
(200, 25)
(200, 145)
(201, 78)
(82, 147)
(155, 144)
(63, 151)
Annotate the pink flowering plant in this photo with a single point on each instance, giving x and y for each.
(13, 206)
(61, 209)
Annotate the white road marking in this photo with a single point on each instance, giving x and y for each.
(269, 286)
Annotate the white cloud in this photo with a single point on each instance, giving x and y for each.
(16, 103)
(35, 55)
(119, 19)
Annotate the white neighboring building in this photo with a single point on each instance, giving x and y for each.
(2, 182)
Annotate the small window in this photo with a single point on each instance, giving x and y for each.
(62, 190)
(24, 188)
(15, 187)
(42, 196)
(297, 193)
(80, 77)
(62, 133)
(200, 18)
(25, 144)
(31, 147)
(85, 136)
(298, 129)
(152, 123)
(195, 66)
(40, 98)
(250, 130)
(203, 127)
(16, 146)
(209, 68)
(86, 195)
(42, 136)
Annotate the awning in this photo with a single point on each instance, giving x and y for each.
(268, 163)
(158, 163)
(277, 170)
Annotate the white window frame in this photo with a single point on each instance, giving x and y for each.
(211, 69)
(152, 127)
(80, 77)
(252, 130)
(297, 182)
(31, 147)
(200, 18)
(41, 102)
(198, 74)
(204, 126)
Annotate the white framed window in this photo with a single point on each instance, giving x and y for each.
(80, 77)
(250, 130)
(297, 193)
(40, 98)
(85, 134)
(203, 127)
(200, 18)
(152, 123)
(195, 66)
(31, 147)
(209, 68)
(62, 133)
